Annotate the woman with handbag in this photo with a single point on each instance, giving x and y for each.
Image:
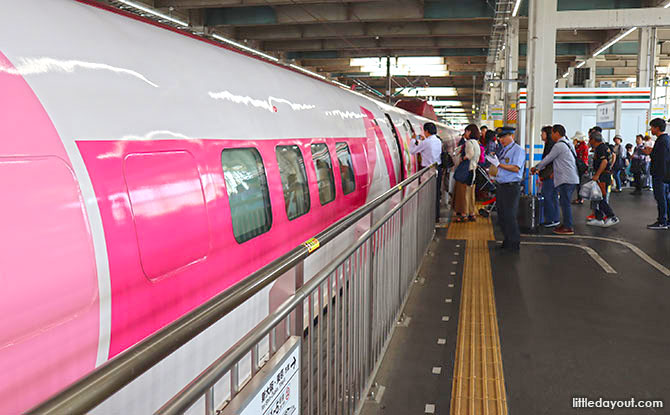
(464, 175)
(549, 191)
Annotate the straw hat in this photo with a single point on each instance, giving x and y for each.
(579, 136)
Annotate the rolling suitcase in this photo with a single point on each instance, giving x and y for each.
(530, 213)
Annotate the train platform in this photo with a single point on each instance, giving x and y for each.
(565, 322)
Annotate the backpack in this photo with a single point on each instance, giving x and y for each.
(582, 168)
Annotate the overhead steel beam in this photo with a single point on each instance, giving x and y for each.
(612, 19)
(360, 30)
(386, 43)
(197, 4)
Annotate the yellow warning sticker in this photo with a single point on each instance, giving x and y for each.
(312, 245)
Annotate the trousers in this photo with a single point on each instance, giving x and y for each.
(507, 195)
(662, 196)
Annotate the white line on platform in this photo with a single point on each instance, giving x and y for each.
(665, 271)
(605, 266)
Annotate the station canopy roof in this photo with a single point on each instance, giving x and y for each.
(430, 43)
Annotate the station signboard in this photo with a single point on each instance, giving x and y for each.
(275, 389)
(608, 115)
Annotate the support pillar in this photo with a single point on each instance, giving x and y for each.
(388, 79)
(511, 67)
(643, 63)
(541, 70)
(571, 77)
(591, 64)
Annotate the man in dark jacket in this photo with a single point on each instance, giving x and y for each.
(660, 173)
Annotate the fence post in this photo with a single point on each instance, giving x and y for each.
(298, 327)
(371, 305)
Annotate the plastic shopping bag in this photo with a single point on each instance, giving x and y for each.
(591, 191)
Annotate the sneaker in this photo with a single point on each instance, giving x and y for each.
(658, 226)
(551, 224)
(611, 221)
(562, 230)
(590, 217)
(596, 222)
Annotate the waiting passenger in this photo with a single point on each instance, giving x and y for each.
(639, 164)
(490, 143)
(549, 190)
(603, 215)
(565, 177)
(579, 141)
(464, 193)
(430, 148)
(483, 130)
(660, 173)
(619, 163)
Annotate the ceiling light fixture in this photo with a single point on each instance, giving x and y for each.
(516, 8)
(154, 12)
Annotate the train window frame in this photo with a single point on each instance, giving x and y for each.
(345, 146)
(265, 194)
(331, 174)
(305, 181)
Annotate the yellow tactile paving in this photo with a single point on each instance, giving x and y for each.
(479, 385)
(481, 230)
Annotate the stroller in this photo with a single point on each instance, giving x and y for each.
(484, 185)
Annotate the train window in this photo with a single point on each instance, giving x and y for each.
(346, 168)
(324, 173)
(248, 195)
(293, 181)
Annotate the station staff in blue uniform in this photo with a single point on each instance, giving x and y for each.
(510, 173)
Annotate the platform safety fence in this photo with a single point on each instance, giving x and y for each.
(344, 317)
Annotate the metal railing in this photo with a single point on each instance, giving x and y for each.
(357, 297)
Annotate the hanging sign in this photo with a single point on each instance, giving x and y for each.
(497, 113)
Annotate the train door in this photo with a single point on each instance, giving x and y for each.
(403, 173)
(417, 158)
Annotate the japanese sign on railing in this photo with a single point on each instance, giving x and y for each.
(275, 389)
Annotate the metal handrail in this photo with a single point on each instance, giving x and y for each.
(183, 400)
(100, 384)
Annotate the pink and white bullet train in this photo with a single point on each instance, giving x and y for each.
(143, 171)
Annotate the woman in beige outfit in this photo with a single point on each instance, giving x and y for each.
(464, 194)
